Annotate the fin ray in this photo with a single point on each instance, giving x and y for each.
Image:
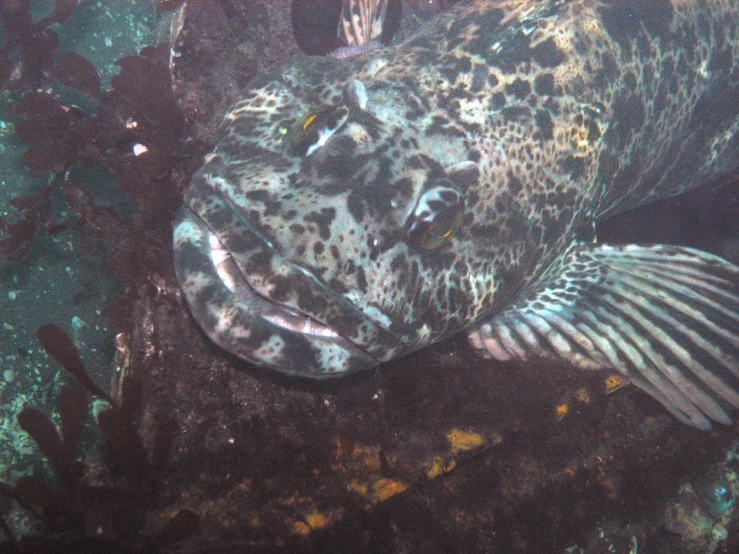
(675, 372)
(666, 317)
(699, 320)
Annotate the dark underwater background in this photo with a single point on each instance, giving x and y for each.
(436, 452)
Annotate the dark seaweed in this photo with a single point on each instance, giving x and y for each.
(59, 346)
(85, 511)
(139, 111)
(35, 43)
(37, 214)
(77, 72)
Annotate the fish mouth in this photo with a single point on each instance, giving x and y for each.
(274, 312)
(242, 320)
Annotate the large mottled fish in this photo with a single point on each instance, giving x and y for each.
(357, 210)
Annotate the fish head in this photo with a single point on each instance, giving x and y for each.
(322, 236)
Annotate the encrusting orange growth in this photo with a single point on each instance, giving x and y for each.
(615, 382)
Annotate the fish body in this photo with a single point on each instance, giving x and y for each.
(355, 210)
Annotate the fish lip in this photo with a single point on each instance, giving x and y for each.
(301, 344)
(276, 313)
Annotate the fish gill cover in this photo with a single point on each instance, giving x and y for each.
(438, 450)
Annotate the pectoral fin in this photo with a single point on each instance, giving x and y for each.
(666, 317)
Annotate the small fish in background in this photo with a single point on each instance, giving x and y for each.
(357, 210)
(343, 29)
(360, 26)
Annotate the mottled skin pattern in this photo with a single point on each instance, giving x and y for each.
(572, 111)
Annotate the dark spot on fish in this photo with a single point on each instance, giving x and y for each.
(281, 288)
(438, 260)
(609, 71)
(545, 125)
(456, 301)
(516, 113)
(514, 183)
(318, 248)
(624, 20)
(323, 220)
(593, 131)
(361, 279)
(442, 126)
(289, 214)
(454, 66)
(555, 225)
(721, 60)
(241, 243)
(272, 206)
(684, 69)
(335, 186)
(668, 66)
(480, 45)
(574, 165)
(547, 54)
(368, 121)
(660, 100)
(544, 84)
(512, 52)
(338, 286)
(437, 123)
(403, 187)
(259, 263)
(415, 162)
(519, 88)
(464, 64)
(197, 262)
(498, 101)
(398, 262)
(356, 206)
(220, 218)
(335, 252)
(628, 117)
(440, 296)
(630, 80)
(308, 300)
(718, 105)
(435, 169)
(479, 76)
(297, 229)
(372, 246)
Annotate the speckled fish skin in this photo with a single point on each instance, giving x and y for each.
(570, 111)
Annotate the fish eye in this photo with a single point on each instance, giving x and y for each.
(442, 229)
(437, 218)
(314, 128)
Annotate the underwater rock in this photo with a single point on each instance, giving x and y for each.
(696, 528)
(417, 454)
(216, 55)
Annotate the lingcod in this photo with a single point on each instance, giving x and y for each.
(355, 210)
